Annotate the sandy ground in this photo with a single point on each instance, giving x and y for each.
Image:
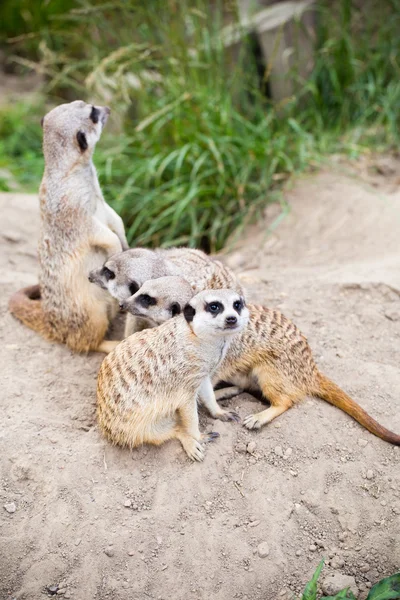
(103, 523)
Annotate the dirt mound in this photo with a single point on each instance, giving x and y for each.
(251, 522)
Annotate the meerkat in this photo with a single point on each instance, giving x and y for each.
(78, 232)
(148, 386)
(123, 274)
(270, 356)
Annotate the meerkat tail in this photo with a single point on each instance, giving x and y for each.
(330, 392)
(26, 306)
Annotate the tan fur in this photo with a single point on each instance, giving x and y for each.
(271, 356)
(148, 386)
(78, 232)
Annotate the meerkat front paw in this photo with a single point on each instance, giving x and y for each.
(227, 415)
(252, 422)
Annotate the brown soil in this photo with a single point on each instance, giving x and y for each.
(104, 523)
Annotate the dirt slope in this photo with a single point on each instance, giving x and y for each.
(103, 523)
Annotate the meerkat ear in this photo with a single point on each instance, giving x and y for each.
(82, 141)
(41, 122)
(189, 312)
(175, 309)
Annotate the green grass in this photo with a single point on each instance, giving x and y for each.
(386, 589)
(195, 151)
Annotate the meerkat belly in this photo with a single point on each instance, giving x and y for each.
(67, 293)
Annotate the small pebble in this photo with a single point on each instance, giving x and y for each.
(10, 507)
(312, 548)
(131, 553)
(52, 589)
(263, 550)
(251, 446)
(241, 448)
(392, 314)
(278, 450)
(370, 474)
(362, 443)
(299, 552)
(127, 503)
(288, 453)
(254, 523)
(109, 551)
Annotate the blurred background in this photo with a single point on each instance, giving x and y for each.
(215, 104)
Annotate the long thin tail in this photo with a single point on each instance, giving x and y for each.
(26, 306)
(330, 392)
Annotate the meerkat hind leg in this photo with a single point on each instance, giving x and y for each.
(207, 397)
(277, 393)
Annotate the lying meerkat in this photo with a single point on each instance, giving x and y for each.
(123, 274)
(78, 232)
(148, 386)
(270, 356)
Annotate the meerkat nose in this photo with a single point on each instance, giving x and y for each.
(107, 109)
(90, 277)
(231, 320)
(122, 305)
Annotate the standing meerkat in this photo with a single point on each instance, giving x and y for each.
(123, 274)
(147, 387)
(270, 356)
(78, 232)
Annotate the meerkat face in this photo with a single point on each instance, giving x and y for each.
(159, 299)
(124, 273)
(72, 130)
(216, 313)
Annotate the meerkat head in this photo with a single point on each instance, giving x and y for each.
(216, 313)
(160, 299)
(71, 131)
(124, 273)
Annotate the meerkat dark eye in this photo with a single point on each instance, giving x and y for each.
(175, 309)
(133, 287)
(214, 308)
(108, 274)
(145, 300)
(238, 305)
(189, 312)
(94, 115)
(82, 141)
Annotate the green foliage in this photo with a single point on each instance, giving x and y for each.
(21, 143)
(196, 149)
(343, 595)
(310, 591)
(386, 589)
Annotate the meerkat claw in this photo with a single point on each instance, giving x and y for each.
(210, 437)
(195, 451)
(251, 422)
(233, 416)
